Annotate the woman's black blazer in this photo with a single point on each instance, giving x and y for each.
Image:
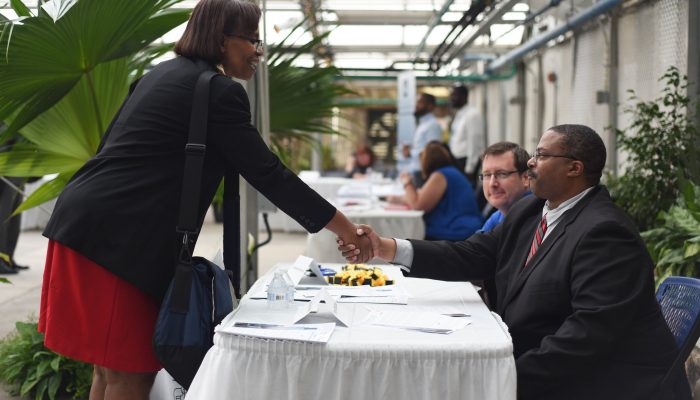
(120, 209)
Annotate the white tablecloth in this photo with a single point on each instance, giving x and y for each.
(326, 187)
(404, 224)
(369, 362)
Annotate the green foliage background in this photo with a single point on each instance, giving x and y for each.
(661, 144)
(32, 369)
(659, 188)
(674, 243)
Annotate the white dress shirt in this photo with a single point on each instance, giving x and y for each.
(467, 136)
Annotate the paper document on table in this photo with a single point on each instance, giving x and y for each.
(299, 295)
(349, 315)
(263, 312)
(392, 189)
(362, 294)
(299, 268)
(377, 295)
(366, 291)
(317, 333)
(374, 300)
(421, 321)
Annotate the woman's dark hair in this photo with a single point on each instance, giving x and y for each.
(365, 148)
(210, 22)
(434, 156)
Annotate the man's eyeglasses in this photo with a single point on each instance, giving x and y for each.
(499, 175)
(254, 41)
(538, 156)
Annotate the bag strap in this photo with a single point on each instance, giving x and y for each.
(194, 156)
(191, 184)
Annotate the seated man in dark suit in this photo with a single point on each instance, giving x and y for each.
(574, 281)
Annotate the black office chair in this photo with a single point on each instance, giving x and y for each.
(679, 298)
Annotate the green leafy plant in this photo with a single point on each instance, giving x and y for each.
(33, 370)
(301, 101)
(675, 243)
(661, 143)
(62, 80)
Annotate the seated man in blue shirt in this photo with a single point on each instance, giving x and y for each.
(505, 181)
(504, 178)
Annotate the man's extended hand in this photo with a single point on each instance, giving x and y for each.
(359, 248)
(350, 250)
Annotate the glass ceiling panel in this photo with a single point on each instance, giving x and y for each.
(358, 35)
(377, 42)
(415, 5)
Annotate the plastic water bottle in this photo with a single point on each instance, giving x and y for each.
(290, 287)
(278, 291)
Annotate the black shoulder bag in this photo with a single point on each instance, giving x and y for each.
(200, 294)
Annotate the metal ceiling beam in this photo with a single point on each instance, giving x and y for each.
(337, 50)
(375, 17)
(531, 17)
(434, 21)
(579, 19)
(468, 18)
(494, 16)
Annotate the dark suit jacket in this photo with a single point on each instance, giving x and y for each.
(120, 210)
(583, 316)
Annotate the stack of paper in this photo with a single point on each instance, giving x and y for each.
(420, 321)
(317, 333)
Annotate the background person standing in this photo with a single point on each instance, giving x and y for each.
(467, 139)
(427, 130)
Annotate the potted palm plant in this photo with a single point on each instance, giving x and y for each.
(64, 71)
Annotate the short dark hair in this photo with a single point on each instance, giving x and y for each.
(435, 155)
(210, 22)
(429, 98)
(584, 144)
(520, 156)
(366, 148)
(461, 90)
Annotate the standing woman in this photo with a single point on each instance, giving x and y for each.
(113, 245)
(446, 197)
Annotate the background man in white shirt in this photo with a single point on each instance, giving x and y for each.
(467, 138)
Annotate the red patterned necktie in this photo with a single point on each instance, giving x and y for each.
(537, 240)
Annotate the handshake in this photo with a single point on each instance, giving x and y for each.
(365, 245)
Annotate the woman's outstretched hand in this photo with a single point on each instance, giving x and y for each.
(350, 250)
(359, 247)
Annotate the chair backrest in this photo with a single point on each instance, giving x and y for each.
(679, 298)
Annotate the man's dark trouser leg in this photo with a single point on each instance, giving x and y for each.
(9, 227)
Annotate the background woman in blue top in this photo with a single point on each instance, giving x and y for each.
(446, 197)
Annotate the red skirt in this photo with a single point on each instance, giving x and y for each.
(91, 315)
